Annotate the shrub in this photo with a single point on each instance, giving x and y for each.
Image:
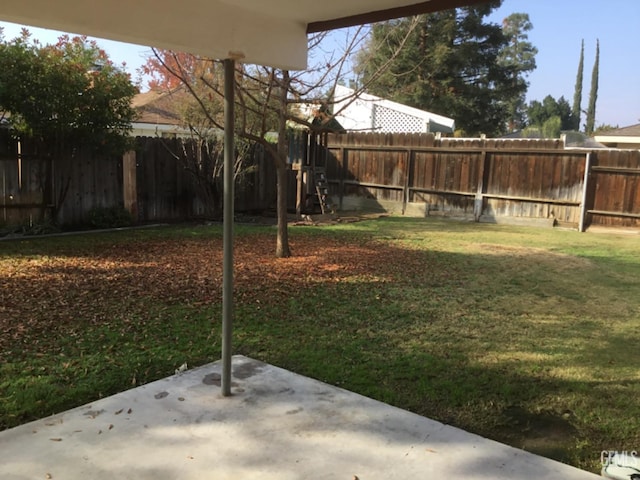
(109, 217)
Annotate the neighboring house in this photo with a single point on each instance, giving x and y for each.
(375, 114)
(157, 115)
(626, 137)
(571, 139)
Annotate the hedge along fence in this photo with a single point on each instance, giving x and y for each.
(485, 179)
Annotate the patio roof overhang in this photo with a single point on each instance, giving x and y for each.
(263, 32)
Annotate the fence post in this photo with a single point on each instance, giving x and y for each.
(343, 174)
(584, 208)
(482, 185)
(297, 167)
(130, 192)
(407, 180)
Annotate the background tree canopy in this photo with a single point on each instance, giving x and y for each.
(453, 63)
(67, 95)
(519, 55)
(540, 112)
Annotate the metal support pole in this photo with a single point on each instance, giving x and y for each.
(227, 262)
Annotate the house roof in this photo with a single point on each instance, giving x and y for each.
(157, 108)
(631, 131)
(363, 111)
(268, 32)
(626, 137)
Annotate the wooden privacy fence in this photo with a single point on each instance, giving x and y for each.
(153, 181)
(485, 179)
(613, 190)
(35, 187)
(537, 181)
(167, 187)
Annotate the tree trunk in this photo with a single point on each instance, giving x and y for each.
(282, 241)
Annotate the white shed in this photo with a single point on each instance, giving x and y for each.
(365, 112)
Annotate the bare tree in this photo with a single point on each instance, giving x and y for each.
(200, 153)
(266, 98)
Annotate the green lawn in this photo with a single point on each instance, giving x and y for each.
(528, 336)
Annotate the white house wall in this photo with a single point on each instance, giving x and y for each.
(357, 115)
(371, 113)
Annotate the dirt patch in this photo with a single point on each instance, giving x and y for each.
(540, 255)
(315, 219)
(334, 219)
(545, 433)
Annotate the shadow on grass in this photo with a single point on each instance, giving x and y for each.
(526, 404)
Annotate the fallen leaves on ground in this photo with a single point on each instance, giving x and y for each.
(43, 293)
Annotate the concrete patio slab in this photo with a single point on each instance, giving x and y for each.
(277, 425)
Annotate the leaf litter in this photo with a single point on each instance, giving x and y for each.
(64, 291)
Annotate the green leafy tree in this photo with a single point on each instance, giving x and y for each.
(450, 64)
(65, 96)
(538, 113)
(576, 109)
(519, 56)
(552, 127)
(67, 93)
(593, 94)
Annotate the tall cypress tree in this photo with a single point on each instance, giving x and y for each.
(593, 95)
(576, 109)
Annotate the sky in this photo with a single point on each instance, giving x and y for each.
(558, 29)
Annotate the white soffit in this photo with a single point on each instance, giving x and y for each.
(268, 32)
(206, 27)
